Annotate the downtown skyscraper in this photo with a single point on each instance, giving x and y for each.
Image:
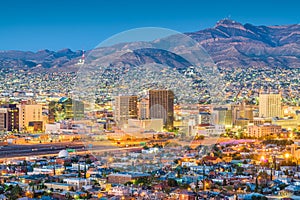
(270, 105)
(161, 103)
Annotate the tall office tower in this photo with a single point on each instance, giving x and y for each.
(3, 119)
(222, 116)
(161, 104)
(143, 109)
(9, 114)
(242, 112)
(270, 105)
(125, 108)
(246, 111)
(13, 117)
(31, 115)
(235, 109)
(65, 108)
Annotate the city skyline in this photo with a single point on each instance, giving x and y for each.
(195, 100)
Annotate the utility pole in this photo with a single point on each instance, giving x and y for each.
(79, 173)
(54, 170)
(203, 168)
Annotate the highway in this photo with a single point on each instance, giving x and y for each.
(11, 152)
(14, 150)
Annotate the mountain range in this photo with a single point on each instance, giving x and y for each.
(229, 43)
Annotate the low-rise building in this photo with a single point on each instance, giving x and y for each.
(122, 178)
(265, 130)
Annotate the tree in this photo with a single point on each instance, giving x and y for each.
(197, 188)
(256, 184)
(224, 182)
(88, 161)
(25, 166)
(68, 195)
(172, 182)
(239, 170)
(128, 183)
(31, 185)
(255, 197)
(143, 181)
(15, 192)
(176, 161)
(187, 147)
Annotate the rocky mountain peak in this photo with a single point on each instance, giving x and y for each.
(228, 23)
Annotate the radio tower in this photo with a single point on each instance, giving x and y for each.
(82, 59)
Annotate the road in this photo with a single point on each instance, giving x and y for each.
(14, 150)
(11, 152)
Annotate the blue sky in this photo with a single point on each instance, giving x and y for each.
(55, 24)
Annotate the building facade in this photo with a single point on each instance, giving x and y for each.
(143, 109)
(9, 117)
(31, 117)
(270, 105)
(161, 104)
(125, 107)
(3, 119)
(264, 131)
(65, 108)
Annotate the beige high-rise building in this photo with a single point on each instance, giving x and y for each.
(270, 105)
(246, 111)
(125, 108)
(143, 109)
(30, 115)
(3, 119)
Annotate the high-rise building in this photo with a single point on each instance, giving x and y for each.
(242, 114)
(9, 117)
(143, 109)
(30, 114)
(161, 103)
(246, 111)
(270, 105)
(125, 108)
(3, 119)
(65, 108)
(222, 116)
(13, 118)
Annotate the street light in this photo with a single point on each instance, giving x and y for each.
(287, 155)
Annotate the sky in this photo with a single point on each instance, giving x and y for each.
(34, 25)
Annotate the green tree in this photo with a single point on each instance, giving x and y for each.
(172, 182)
(15, 192)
